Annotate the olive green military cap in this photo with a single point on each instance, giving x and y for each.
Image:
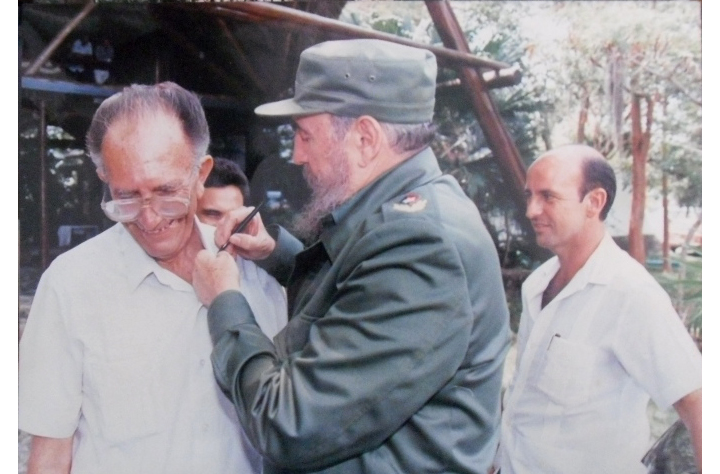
(388, 81)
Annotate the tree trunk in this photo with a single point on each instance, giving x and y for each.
(686, 245)
(640, 147)
(667, 265)
(683, 273)
(545, 134)
(582, 119)
(666, 225)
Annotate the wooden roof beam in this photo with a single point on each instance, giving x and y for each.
(280, 13)
(492, 79)
(247, 67)
(59, 38)
(197, 54)
(70, 87)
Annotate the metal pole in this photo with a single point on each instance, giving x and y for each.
(44, 243)
(59, 38)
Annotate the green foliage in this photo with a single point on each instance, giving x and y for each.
(492, 31)
(685, 290)
(647, 48)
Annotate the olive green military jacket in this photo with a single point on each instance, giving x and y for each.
(392, 359)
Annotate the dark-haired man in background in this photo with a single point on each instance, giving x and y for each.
(598, 336)
(226, 189)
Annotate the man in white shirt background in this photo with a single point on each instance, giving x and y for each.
(598, 336)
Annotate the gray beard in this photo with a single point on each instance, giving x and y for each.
(327, 195)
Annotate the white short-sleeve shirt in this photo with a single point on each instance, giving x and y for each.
(116, 352)
(587, 364)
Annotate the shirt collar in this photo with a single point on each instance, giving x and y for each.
(139, 265)
(344, 221)
(595, 270)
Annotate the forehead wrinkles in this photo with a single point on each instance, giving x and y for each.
(132, 169)
(148, 124)
(146, 138)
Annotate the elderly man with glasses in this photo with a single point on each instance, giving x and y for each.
(115, 375)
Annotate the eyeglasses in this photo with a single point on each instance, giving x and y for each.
(129, 209)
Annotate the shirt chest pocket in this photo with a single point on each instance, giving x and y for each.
(123, 396)
(566, 371)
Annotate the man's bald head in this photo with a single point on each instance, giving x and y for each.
(593, 166)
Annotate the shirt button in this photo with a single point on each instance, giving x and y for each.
(202, 362)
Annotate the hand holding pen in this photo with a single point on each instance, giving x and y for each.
(216, 273)
(242, 225)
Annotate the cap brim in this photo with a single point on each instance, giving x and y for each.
(287, 107)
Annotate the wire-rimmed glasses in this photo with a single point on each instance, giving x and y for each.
(171, 206)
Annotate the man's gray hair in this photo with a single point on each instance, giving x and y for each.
(403, 137)
(137, 100)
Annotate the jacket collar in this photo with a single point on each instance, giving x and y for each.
(339, 225)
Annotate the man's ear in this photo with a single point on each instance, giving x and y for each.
(101, 174)
(596, 199)
(369, 138)
(206, 165)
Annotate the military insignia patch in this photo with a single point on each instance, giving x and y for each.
(412, 202)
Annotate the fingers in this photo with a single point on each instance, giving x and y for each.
(226, 227)
(214, 274)
(253, 242)
(253, 247)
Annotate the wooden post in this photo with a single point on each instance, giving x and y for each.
(44, 241)
(666, 224)
(499, 140)
(640, 148)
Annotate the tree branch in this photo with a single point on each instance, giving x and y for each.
(680, 88)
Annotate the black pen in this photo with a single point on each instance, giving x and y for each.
(241, 226)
